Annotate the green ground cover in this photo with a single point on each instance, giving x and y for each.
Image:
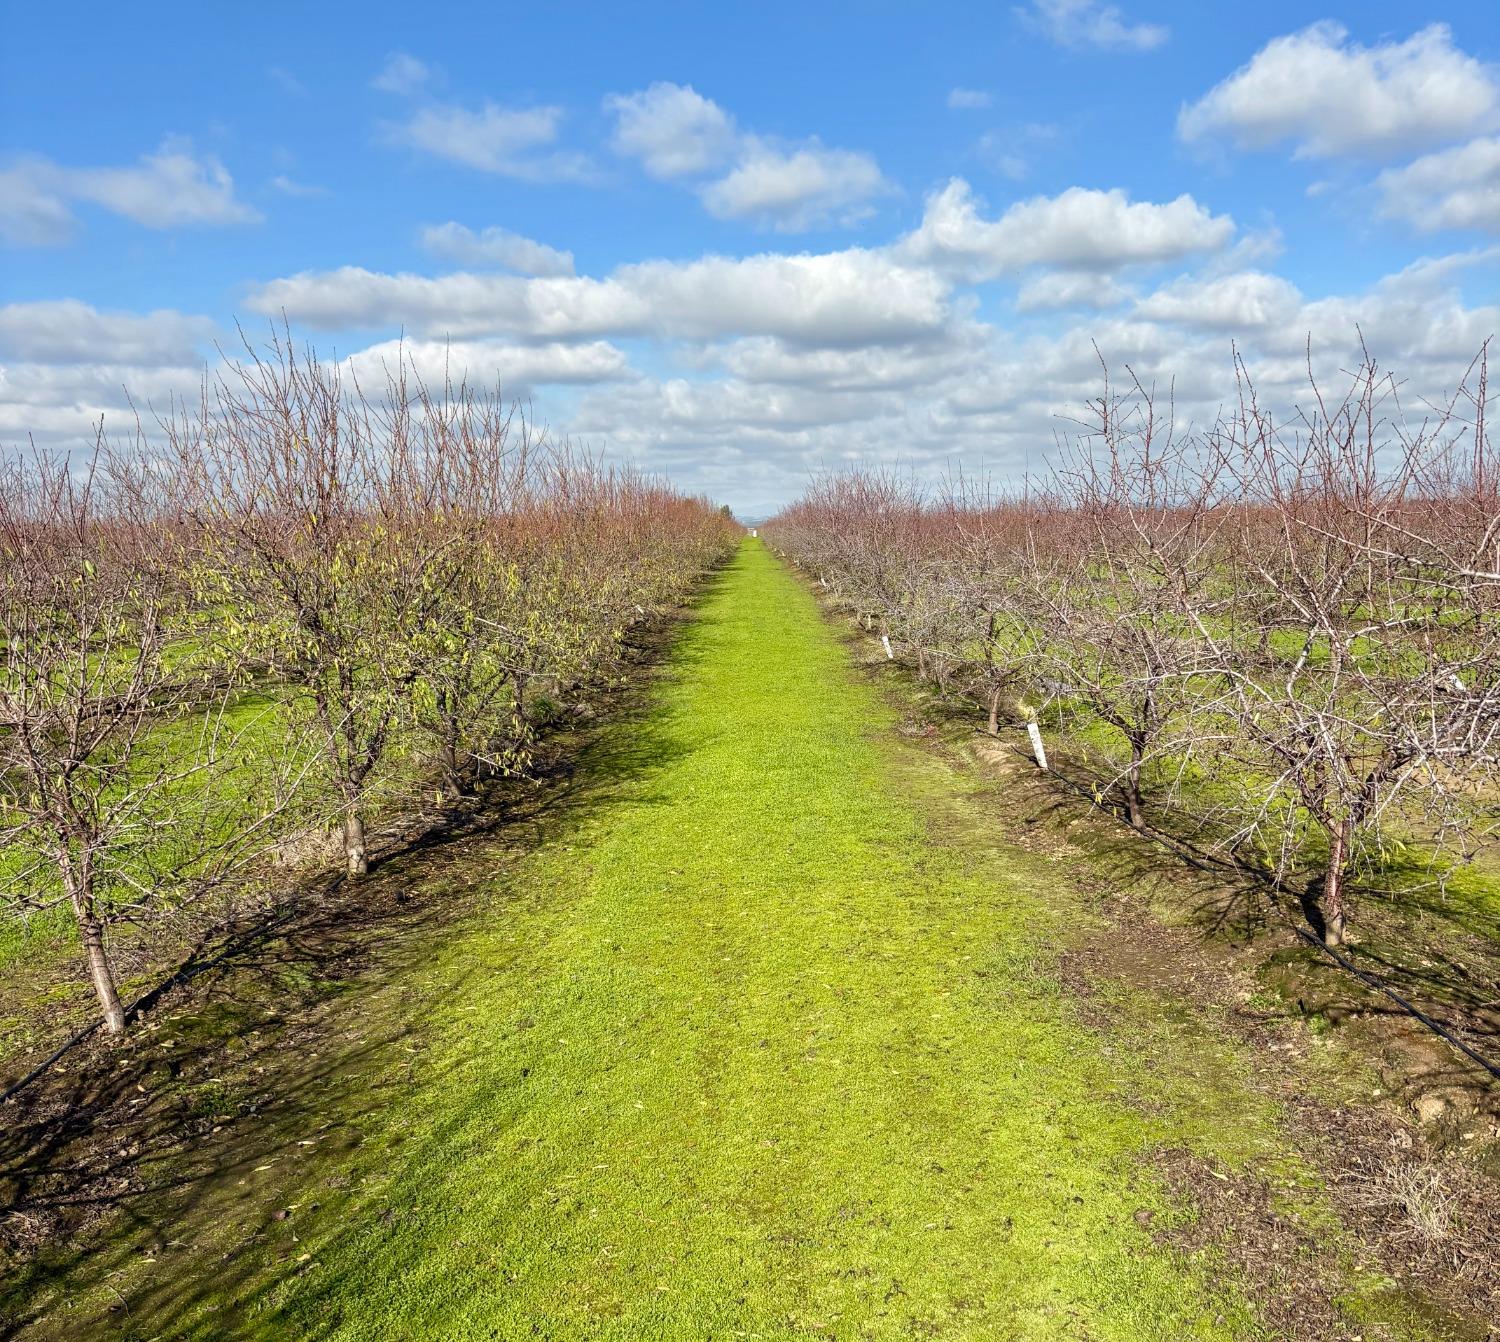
(764, 1041)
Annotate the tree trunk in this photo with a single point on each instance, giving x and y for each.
(103, 977)
(455, 775)
(449, 750)
(1134, 808)
(995, 710)
(79, 881)
(1333, 886)
(357, 858)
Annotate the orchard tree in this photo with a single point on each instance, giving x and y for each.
(1373, 697)
(128, 791)
(335, 528)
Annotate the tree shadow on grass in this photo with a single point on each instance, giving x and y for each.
(148, 1176)
(1410, 937)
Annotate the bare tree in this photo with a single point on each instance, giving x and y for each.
(1131, 545)
(1292, 626)
(122, 774)
(335, 526)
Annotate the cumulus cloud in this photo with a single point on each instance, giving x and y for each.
(1091, 23)
(1250, 300)
(64, 365)
(494, 247)
(997, 402)
(501, 140)
(403, 74)
(172, 187)
(793, 189)
(1059, 289)
(68, 331)
(840, 298)
(516, 370)
(677, 133)
(60, 405)
(765, 359)
(672, 129)
(787, 364)
(1328, 95)
(1078, 229)
(1453, 188)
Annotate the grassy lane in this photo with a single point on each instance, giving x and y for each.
(765, 1044)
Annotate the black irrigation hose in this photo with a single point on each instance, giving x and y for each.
(184, 973)
(1400, 1001)
(1343, 961)
(77, 1037)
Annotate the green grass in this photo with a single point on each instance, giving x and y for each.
(39, 948)
(765, 1042)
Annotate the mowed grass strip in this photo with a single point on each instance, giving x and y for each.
(744, 1049)
(759, 1057)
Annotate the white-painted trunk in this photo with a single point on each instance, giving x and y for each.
(1038, 750)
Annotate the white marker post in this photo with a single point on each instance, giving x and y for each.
(885, 643)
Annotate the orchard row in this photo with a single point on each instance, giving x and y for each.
(290, 612)
(1277, 638)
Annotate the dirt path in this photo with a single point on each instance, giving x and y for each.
(768, 1039)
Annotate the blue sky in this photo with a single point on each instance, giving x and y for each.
(737, 243)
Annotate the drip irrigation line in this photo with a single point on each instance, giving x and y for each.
(77, 1037)
(1342, 961)
(1400, 1001)
(188, 970)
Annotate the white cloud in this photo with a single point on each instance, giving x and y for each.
(796, 188)
(1057, 289)
(1091, 23)
(678, 133)
(1331, 96)
(1250, 300)
(60, 404)
(403, 74)
(962, 99)
(68, 332)
(850, 298)
(515, 369)
(765, 359)
(1453, 188)
(793, 362)
(673, 129)
(289, 186)
(1078, 229)
(33, 212)
(172, 187)
(169, 187)
(65, 364)
(494, 247)
(501, 140)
